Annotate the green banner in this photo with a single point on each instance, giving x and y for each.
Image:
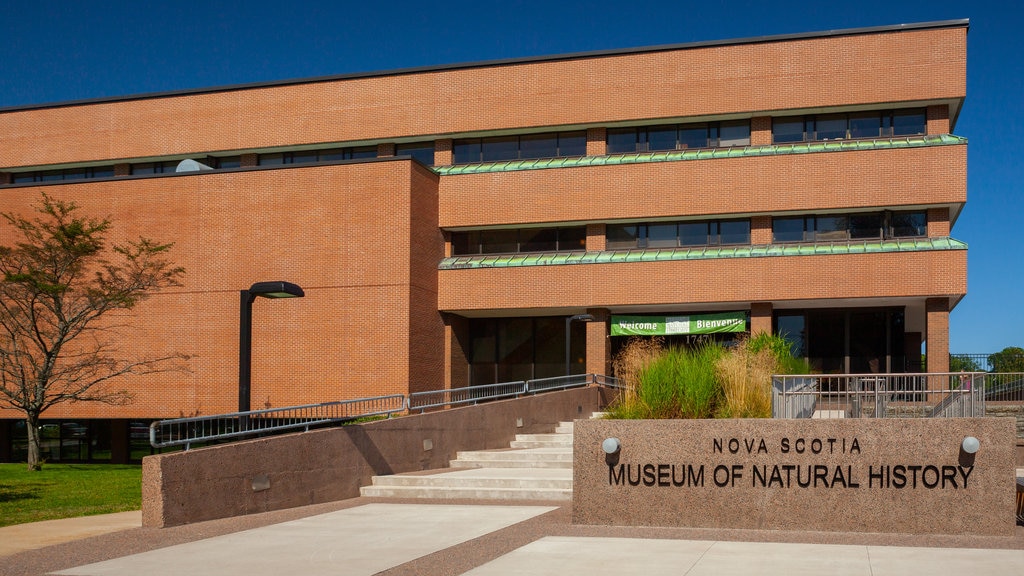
(672, 325)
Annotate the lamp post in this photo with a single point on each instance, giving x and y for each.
(568, 323)
(263, 290)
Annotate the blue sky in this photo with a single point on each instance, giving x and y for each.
(60, 51)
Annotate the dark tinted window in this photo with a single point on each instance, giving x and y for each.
(466, 151)
(572, 144)
(865, 226)
(538, 240)
(422, 152)
(693, 136)
(789, 129)
(538, 146)
(909, 122)
(661, 138)
(830, 127)
(734, 133)
(621, 236)
(735, 231)
(909, 224)
(661, 235)
(499, 241)
(500, 148)
(788, 229)
(865, 125)
(693, 233)
(622, 140)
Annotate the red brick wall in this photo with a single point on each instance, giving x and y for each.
(937, 310)
(741, 78)
(347, 234)
(741, 280)
(834, 180)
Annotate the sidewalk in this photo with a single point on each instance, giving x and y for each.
(22, 537)
(367, 536)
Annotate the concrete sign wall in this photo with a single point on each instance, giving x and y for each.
(878, 475)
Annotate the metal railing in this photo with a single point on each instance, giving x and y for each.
(953, 394)
(217, 428)
(202, 429)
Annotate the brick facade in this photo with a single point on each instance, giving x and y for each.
(365, 238)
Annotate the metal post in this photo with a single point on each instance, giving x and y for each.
(245, 350)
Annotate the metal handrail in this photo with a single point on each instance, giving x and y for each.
(199, 429)
(186, 431)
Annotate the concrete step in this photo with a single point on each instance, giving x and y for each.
(564, 428)
(535, 478)
(550, 494)
(542, 441)
(467, 462)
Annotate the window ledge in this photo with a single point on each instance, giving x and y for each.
(702, 253)
(704, 154)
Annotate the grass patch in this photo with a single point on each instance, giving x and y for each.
(67, 491)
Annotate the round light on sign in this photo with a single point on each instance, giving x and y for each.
(611, 445)
(970, 445)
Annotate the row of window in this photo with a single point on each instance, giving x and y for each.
(519, 240)
(679, 136)
(313, 156)
(808, 228)
(170, 166)
(525, 147)
(873, 124)
(63, 174)
(841, 227)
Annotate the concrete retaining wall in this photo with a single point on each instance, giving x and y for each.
(331, 464)
(848, 475)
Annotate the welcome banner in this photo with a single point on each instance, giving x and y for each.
(673, 325)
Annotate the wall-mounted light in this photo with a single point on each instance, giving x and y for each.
(970, 445)
(611, 445)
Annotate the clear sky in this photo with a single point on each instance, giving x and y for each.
(60, 51)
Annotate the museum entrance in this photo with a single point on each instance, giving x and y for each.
(849, 341)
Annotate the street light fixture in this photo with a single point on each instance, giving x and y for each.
(272, 290)
(568, 322)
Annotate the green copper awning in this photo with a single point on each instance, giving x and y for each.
(704, 154)
(702, 253)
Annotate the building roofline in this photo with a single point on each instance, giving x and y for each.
(960, 23)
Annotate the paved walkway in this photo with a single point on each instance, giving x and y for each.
(22, 537)
(370, 536)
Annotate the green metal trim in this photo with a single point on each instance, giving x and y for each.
(703, 154)
(701, 253)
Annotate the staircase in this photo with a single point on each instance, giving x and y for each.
(534, 467)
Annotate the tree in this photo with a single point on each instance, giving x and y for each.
(963, 363)
(61, 291)
(1007, 360)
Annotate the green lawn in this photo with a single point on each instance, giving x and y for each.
(67, 490)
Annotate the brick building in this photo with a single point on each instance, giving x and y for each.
(445, 222)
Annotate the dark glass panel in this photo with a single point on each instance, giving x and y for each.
(788, 229)
(304, 157)
(515, 349)
(574, 238)
(500, 148)
(144, 168)
(788, 129)
(661, 138)
(549, 350)
(51, 175)
(20, 177)
(909, 122)
(693, 136)
(538, 146)
(693, 233)
(831, 228)
(271, 159)
(465, 243)
(865, 226)
(77, 174)
(619, 237)
(364, 152)
(735, 231)
(661, 236)
(102, 172)
(826, 341)
(865, 125)
(422, 152)
(791, 327)
(572, 143)
(830, 127)
(482, 350)
(734, 133)
(906, 224)
(622, 140)
(538, 240)
(499, 241)
(229, 162)
(466, 151)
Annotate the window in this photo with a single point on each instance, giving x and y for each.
(154, 167)
(515, 240)
(676, 234)
(314, 156)
(871, 124)
(87, 172)
(843, 227)
(525, 147)
(678, 137)
(226, 161)
(422, 152)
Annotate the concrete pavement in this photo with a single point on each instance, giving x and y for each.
(368, 536)
(22, 537)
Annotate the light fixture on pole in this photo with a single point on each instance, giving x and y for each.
(568, 323)
(264, 290)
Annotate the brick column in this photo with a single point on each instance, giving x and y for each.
(937, 335)
(760, 230)
(122, 169)
(385, 150)
(248, 160)
(456, 346)
(597, 141)
(760, 318)
(938, 119)
(599, 343)
(443, 152)
(760, 130)
(938, 222)
(596, 239)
